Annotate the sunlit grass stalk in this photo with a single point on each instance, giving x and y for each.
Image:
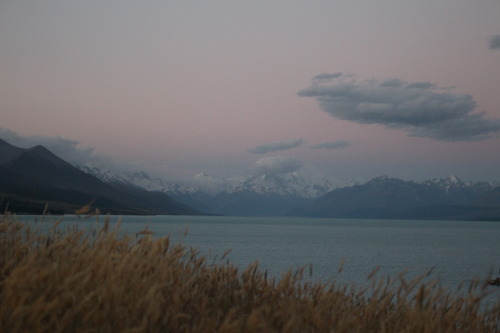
(72, 280)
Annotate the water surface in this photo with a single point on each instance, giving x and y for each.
(457, 251)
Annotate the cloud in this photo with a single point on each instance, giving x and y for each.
(66, 149)
(332, 145)
(206, 183)
(275, 146)
(494, 42)
(420, 108)
(326, 76)
(274, 165)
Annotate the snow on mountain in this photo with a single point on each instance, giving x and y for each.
(105, 175)
(448, 184)
(200, 182)
(276, 194)
(293, 184)
(285, 184)
(132, 178)
(142, 179)
(207, 184)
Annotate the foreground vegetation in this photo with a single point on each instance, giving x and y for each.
(99, 281)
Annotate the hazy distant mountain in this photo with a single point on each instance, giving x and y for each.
(287, 184)
(263, 194)
(293, 194)
(269, 194)
(385, 197)
(188, 193)
(30, 178)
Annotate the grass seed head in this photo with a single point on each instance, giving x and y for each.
(82, 281)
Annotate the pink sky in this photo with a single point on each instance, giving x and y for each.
(184, 87)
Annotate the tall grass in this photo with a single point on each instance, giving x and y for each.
(79, 281)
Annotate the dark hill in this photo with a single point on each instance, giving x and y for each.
(8, 152)
(30, 178)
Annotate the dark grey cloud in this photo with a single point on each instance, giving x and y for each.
(275, 146)
(494, 42)
(392, 83)
(420, 108)
(67, 149)
(326, 76)
(332, 145)
(274, 165)
(421, 85)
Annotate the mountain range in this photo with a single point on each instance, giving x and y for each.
(392, 198)
(291, 194)
(31, 178)
(253, 195)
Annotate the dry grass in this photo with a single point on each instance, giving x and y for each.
(75, 281)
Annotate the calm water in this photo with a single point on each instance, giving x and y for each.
(458, 251)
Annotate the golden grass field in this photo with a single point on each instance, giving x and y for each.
(76, 281)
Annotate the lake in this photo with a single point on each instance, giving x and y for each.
(457, 251)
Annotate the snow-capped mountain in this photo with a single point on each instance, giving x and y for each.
(208, 184)
(284, 193)
(263, 194)
(455, 190)
(384, 197)
(268, 194)
(133, 178)
(447, 184)
(142, 179)
(105, 175)
(292, 184)
(452, 183)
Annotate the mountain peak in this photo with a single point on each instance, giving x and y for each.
(40, 152)
(202, 175)
(5, 143)
(454, 180)
(448, 183)
(49, 179)
(381, 179)
(8, 152)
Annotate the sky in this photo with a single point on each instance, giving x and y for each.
(349, 89)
